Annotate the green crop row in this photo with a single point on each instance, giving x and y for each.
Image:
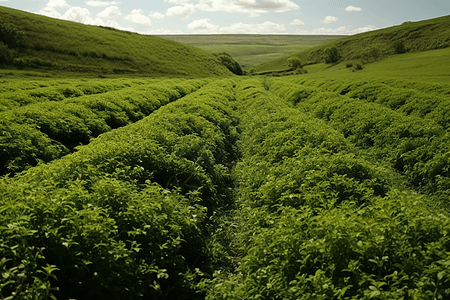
(127, 216)
(416, 147)
(431, 101)
(46, 131)
(318, 221)
(17, 92)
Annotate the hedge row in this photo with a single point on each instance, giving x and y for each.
(431, 101)
(127, 216)
(317, 221)
(15, 92)
(416, 147)
(49, 130)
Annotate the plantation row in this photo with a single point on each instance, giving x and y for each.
(318, 221)
(427, 100)
(237, 189)
(414, 146)
(48, 130)
(129, 215)
(16, 92)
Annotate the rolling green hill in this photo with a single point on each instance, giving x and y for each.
(33, 41)
(375, 45)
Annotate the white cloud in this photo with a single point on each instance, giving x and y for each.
(156, 15)
(57, 3)
(343, 30)
(252, 7)
(4, 0)
(353, 8)
(50, 9)
(296, 22)
(205, 26)
(110, 12)
(181, 11)
(83, 15)
(329, 19)
(49, 12)
(101, 3)
(78, 14)
(137, 17)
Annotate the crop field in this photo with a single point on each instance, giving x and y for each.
(296, 187)
(251, 50)
(138, 167)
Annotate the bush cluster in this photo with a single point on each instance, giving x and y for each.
(331, 55)
(10, 35)
(227, 60)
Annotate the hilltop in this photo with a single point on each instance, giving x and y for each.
(31, 41)
(375, 45)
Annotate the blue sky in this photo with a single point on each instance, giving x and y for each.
(238, 16)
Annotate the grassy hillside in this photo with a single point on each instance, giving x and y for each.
(424, 66)
(33, 41)
(251, 50)
(375, 45)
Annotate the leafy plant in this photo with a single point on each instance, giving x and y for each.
(10, 35)
(295, 63)
(331, 54)
(399, 47)
(227, 60)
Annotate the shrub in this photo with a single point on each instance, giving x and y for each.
(228, 61)
(5, 54)
(294, 63)
(332, 55)
(10, 35)
(399, 47)
(371, 54)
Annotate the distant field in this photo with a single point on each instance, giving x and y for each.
(253, 49)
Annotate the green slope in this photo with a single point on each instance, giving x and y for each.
(424, 66)
(376, 45)
(33, 41)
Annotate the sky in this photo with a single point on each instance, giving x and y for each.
(238, 16)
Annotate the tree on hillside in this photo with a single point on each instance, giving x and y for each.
(228, 61)
(332, 55)
(10, 35)
(294, 63)
(5, 54)
(399, 47)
